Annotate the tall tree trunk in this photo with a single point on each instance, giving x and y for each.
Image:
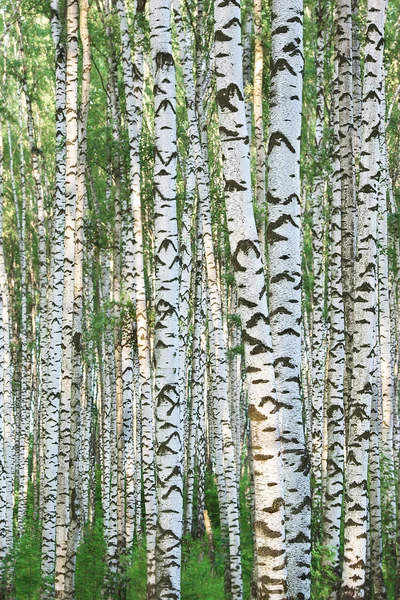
(365, 314)
(259, 123)
(343, 44)
(377, 582)
(6, 397)
(51, 396)
(283, 239)
(166, 347)
(227, 478)
(134, 101)
(270, 552)
(318, 293)
(333, 498)
(63, 507)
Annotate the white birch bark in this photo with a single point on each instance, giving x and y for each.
(227, 484)
(134, 100)
(343, 47)
(270, 551)
(260, 192)
(283, 239)
(333, 497)
(196, 422)
(364, 367)
(51, 396)
(166, 343)
(318, 293)
(71, 173)
(185, 251)
(377, 582)
(6, 397)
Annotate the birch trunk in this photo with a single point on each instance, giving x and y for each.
(365, 366)
(333, 498)
(227, 484)
(52, 394)
(343, 43)
(318, 294)
(259, 124)
(71, 171)
(134, 99)
(166, 347)
(283, 239)
(248, 267)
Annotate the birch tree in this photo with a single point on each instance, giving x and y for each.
(166, 348)
(283, 239)
(365, 365)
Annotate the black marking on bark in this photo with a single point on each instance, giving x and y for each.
(276, 139)
(220, 36)
(228, 132)
(281, 29)
(295, 20)
(247, 303)
(164, 105)
(263, 528)
(76, 340)
(224, 97)
(254, 414)
(227, 2)
(234, 186)
(255, 319)
(164, 59)
(277, 503)
(282, 65)
(244, 246)
(258, 347)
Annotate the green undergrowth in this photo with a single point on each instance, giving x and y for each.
(203, 572)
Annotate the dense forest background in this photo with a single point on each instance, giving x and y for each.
(199, 299)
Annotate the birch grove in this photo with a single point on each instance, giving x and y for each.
(199, 300)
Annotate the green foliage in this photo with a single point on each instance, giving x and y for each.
(23, 569)
(137, 574)
(388, 499)
(236, 350)
(246, 531)
(198, 582)
(90, 563)
(90, 560)
(27, 573)
(323, 577)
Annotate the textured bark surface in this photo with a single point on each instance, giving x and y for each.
(333, 497)
(248, 267)
(283, 239)
(364, 370)
(63, 507)
(166, 344)
(343, 48)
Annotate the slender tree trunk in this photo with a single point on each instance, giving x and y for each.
(333, 498)
(283, 238)
(259, 124)
(318, 294)
(343, 42)
(51, 396)
(134, 101)
(63, 507)
(270, 551)
(377, 582)
(227, 479)
(166, 348)
(6, 398)
(365, 314)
